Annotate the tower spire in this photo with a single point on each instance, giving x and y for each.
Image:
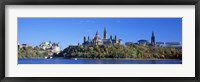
(97, 33)
(84, 39)
(153, 39)
(105, 33)
(88, 38)
(153, 34)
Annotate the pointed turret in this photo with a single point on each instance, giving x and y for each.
(88, 39)
(97, 37)
(153, 39)
(105, 33)
(115, 37)
(97, 33)
(84, 39)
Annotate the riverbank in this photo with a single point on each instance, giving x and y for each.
(101, 58)
(121, 59)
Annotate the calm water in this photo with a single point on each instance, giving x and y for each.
(95, 61)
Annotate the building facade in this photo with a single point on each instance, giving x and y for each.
(53, 47)
(23, 45)
(143, 42)
(105, 41)
(155, 44)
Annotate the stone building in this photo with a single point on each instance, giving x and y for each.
(143, 42)
(53, 47)
(105, 41)
(153, 42)
(22, 45)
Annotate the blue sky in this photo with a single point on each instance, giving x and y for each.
(70, 31)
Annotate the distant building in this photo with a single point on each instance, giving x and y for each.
(105, 41)
(143, 42)
(97, 40)
(160, 44)
(155, 44)
(173, 44)
(45, 45)
(53, 47)
(146, 42)
(153, 39)
(129, 43)
(22, 45)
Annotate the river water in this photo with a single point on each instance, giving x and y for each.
(95, 61)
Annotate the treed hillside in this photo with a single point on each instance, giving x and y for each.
(29, 52)
(105, 51)
(121, 51)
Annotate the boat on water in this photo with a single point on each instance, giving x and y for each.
(48, 57)
(75, 59)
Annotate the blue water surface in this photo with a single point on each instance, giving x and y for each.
(95, 61)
